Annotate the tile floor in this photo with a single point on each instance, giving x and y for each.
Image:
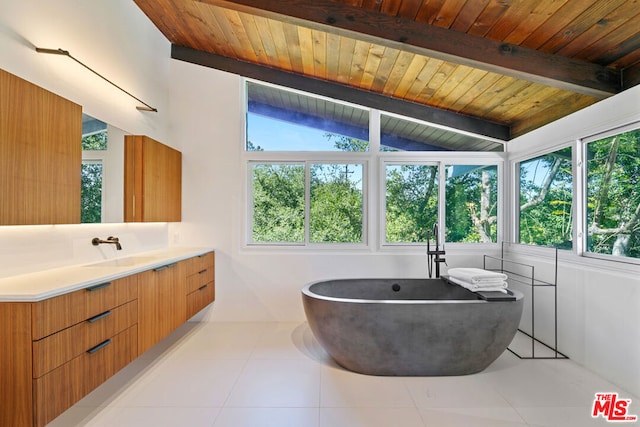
(276, 374)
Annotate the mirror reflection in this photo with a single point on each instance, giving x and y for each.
(102, 171)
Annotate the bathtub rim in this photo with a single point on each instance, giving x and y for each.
(306, 290)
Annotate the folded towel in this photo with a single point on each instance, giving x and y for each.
(476, 275)
(501, 287)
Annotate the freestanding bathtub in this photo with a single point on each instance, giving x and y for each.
(410, 327)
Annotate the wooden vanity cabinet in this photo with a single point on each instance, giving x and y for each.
(152, 181)
(59, 349)
(40, 155)
(200, 283)
(162, 303)
(54, 352)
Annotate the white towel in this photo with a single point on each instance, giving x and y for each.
(501, 287)
(477, 275)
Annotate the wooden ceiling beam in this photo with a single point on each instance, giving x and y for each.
(435, 42)
(631, 76)
(342, 92)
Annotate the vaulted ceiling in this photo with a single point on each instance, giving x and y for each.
(498, 68)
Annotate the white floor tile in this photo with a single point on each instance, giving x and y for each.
(216, 374)
(371, 417)
(278, 343)
(282, 383)
(563, 417)
(181, 383)
(267, 417)
(154, 417)
(469, 391)
(223, 341)
(474, 417)
(342, 388)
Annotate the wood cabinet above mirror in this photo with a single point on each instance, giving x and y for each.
(40, 155)
(153, 181)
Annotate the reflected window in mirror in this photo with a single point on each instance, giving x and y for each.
(94, 146)
(91, 201)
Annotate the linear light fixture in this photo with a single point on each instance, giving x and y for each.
(63, 52)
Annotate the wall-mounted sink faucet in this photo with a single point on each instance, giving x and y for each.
(113, 240)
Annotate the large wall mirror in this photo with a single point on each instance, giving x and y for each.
(102, 171)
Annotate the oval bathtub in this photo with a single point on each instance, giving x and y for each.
(409, 326)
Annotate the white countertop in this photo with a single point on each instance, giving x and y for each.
(45, 284)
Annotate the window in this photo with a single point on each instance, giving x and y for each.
(613, 195)
(94, 146)
(332, 209)
(282, 120)
(278, 203)
(308, 158)
(403, 134)
(336, 205)
(546, 197)
(411, 202)
(91, 190)
(471, 203)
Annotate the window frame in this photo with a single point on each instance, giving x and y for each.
(373, 186)
(306, 162)
(575, 188)
(497, 159)
(582, 225)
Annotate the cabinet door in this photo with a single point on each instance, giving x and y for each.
(153, 181)
(162, 303)
(40, 155)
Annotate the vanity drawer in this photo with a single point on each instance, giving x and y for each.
(197, 280)
(57, 349)
(54, 314)
(58, 390)
(200, 298)
(199, 263)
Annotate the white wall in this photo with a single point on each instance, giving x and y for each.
(117, 40)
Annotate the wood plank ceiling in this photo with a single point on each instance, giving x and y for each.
(499, 68)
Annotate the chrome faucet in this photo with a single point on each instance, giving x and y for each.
(113, 240)
(434, 255)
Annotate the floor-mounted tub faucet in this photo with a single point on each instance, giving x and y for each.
(113, 240)
(434, 255)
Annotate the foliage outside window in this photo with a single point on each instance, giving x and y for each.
(613, 195)
(411, 202)
(91, 179)
(546, 197)
(278, 203)
(471, 203)
(335, 205)
(95, 141)
(91, 190)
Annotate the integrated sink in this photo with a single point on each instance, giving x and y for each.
(124, 262)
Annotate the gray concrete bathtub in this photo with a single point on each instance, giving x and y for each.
(409, 326)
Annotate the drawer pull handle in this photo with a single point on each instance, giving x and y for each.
(100, 286)
(164, 267)
(99, 316)
(99, 346)
(202, 271)
(202, 287)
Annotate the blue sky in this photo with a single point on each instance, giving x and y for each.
(277, 135)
